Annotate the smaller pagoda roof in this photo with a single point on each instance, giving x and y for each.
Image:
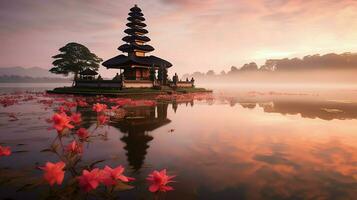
(135, 24)
(135, 19)
(136, 14)
(134, 46)
(134, 31)
(122, 61)
(135, 9)
(132, 38)
(88, 72)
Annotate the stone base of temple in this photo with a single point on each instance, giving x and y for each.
(125, 91)
(129, 84)
(182, 84)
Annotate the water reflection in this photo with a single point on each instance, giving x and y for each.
(322, 109)
(136, 126)
(222, 152)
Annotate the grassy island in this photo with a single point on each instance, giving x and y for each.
(125, 92)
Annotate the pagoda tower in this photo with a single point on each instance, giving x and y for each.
(136, 64)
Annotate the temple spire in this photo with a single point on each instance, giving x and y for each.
(134, 61)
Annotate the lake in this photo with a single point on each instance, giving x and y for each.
(238, 143)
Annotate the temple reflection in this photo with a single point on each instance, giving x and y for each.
(136, 126)
(139, 121)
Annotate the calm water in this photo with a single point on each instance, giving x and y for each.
(240, 144)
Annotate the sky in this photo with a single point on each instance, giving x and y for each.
(194, 35)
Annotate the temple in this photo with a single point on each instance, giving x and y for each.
(136, 64)
(137, 69)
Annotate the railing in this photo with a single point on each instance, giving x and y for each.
(99, 83)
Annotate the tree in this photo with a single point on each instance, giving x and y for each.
(249, 67)
(210, 73)
(74, 58)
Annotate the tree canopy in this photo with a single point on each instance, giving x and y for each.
(74, 58)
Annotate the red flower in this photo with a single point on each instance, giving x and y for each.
(62, 109)
(89, 179)
(82, 103)
(5, 151)
(111, 176)
(70, 104)
(53, 172)
(61, 121)
(76, 118)
(99, 107)
(123, 102)
(159, 180)
(102, 119)
(82, 133)
(114, 107)
(74, 147)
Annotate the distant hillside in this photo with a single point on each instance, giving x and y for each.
(323, 63)
(27, 79)
(34, 72)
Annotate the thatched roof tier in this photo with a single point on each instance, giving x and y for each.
(135, 47)
(88, 72)
(123, 61)
(135, 19)
(135, 24)
(135, 9)
(135, 31)
(136, 14)
(133, 38)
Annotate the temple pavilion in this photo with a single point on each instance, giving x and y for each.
(87, 74)
(134, 62)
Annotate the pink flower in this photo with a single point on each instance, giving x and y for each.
(5, 151)
(111, 176)
(61, 121)
(53, 172)
(82, 133)
(76, 118)
(99, 107)
(159, 180)
(123, 102)
(74, 147)
(70, 104)
(62, 109)
(102, 119)
(82, 103)
(89, 179)
(114, 107)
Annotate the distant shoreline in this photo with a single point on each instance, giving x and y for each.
(27, 79)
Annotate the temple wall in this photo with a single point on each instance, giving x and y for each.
(184, 84)
(96, 83)
(138, 84)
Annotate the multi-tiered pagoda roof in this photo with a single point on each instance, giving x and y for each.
(135, 46)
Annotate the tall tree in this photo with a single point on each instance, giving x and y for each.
(74, 58)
